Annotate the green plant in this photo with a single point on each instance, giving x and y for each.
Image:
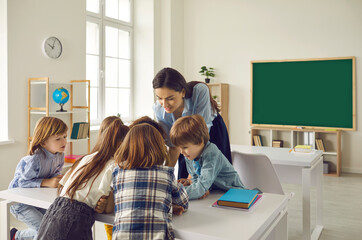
(207, 72)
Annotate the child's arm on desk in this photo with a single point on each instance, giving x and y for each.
(105, 204)
(51, 182)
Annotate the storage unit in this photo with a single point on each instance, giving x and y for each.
(220, 92)
(40, 104)
(293, 137)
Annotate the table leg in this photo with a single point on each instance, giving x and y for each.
(306, 182)
(319, 211)
(5, 219)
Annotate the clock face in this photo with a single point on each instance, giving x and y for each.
(52, 47)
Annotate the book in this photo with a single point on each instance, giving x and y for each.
(252, 205)
(75, 130)
(80, 130)
(303, 148)
(71, 158)
(317, 144)
(241, 198)
(321, 143)
(257, 140)
(277, 143)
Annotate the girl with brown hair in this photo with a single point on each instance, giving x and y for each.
(71, 216)
(145, 191)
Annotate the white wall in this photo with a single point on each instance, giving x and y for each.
(29, 23)
(229, 34)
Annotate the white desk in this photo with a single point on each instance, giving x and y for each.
(268, 220)
(302, 168)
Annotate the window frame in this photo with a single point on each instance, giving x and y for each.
(103, 21)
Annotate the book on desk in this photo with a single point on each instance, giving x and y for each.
(238, 198)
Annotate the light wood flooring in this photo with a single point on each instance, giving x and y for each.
(342, 210)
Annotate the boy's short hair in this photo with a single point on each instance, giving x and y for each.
(189, 129)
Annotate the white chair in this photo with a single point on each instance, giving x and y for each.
(256, 170)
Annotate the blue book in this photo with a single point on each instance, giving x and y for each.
(241, 198)
(75, 130)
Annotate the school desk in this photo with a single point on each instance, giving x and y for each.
(297, 168)
(201, 221)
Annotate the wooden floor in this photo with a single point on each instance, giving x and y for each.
(342, 210)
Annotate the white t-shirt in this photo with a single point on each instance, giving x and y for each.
(101, 186)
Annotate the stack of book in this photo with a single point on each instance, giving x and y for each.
(80, 130)
(257, 140)
(238, 198)
(278, 143)
(303, 148)
(320, 145)
(71, 158)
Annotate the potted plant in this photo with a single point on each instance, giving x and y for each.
(207, 72)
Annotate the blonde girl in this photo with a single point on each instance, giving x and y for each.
(145, 189)
(71, 216)
(40, 168)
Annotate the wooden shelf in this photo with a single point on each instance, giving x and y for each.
(39, 94)
(221, 91)
(291, 138)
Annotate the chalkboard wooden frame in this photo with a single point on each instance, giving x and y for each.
(286, 93)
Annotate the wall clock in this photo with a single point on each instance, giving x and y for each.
(52, 47)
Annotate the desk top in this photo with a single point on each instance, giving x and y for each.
(201, 221)
(282, 156)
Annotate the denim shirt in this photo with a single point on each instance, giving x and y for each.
(199, 103)
(32, 169)
(216, 171)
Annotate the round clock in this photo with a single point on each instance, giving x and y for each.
(52, 47)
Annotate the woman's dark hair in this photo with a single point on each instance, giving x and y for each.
(172, 79)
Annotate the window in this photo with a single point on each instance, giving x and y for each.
(3, 73)
(109, 58)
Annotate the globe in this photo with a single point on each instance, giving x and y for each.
(61, 96)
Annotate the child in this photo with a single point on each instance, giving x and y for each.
(144, 189)
(153, 123)
(205, 163)
(71, 216)
(41, 168)
(105, 123)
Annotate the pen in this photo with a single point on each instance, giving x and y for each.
(290, 150)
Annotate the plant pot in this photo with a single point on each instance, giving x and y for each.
(207, 80)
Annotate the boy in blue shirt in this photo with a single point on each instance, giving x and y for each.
(205, 163)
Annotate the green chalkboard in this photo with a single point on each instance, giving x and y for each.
(313, 93)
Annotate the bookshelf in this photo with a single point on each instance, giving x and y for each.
(220, 92)
(293, 137)
(40, 104)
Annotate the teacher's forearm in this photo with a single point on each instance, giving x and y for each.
(174, 153)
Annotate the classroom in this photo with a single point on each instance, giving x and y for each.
(186, 35)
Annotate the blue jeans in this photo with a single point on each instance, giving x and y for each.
(29, 215)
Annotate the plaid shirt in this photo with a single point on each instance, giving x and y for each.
(143, 200)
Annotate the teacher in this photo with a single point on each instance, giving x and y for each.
(175, 99)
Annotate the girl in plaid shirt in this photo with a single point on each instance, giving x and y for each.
(145, 191)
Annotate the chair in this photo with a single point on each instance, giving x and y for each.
(256, 170)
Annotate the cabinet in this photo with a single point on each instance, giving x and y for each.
(293, 137)
(220, 92)
(40, 104)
